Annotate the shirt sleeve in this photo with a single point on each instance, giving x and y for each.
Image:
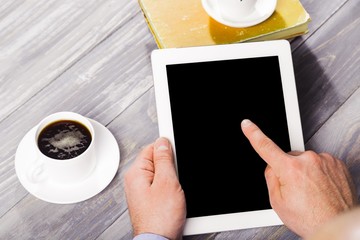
(149, 236)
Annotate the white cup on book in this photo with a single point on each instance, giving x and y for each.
(239, 13)
(236, 9)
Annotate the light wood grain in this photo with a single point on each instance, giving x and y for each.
(326, 69)
(40, 39)
(136, 129)
(320, 12)
(340, 136)
(100, 86)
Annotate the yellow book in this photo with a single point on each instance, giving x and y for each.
(184, 23)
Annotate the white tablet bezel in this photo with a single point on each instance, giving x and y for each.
(280, 48)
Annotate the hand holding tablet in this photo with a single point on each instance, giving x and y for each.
(154, 196)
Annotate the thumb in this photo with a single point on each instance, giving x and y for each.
(163, 158)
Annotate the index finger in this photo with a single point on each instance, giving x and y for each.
(264, 146)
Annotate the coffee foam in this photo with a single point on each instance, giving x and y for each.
(67, 141)
(64, 140)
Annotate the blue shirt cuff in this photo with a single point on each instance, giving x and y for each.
(149, 236)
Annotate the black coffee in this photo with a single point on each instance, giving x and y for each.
(64, 139)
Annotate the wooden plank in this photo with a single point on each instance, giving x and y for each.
(7, 7)
(120, 229)
(319, 15)
(340, 136)
(326, 67)
(100, 86)
(275, 232)
(40, 39)
(137, 128)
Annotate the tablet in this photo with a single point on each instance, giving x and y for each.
(202, 95)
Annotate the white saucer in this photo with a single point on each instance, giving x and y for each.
(107, 157)
(262, 11)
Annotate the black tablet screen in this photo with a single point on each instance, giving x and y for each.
(218, 169)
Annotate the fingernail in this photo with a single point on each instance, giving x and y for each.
(246, 122)
(162, 144)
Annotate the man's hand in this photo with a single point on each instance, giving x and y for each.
(306, 189)
(156, 201)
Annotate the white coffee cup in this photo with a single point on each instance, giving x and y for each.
(233, 10)
(46, 167)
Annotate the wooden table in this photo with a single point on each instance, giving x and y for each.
(93, 57)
